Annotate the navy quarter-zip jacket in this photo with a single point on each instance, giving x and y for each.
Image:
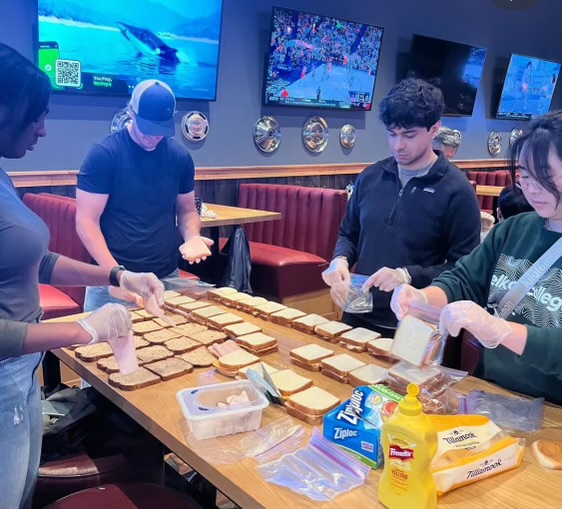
(425, 226)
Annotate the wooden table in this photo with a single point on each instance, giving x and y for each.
(229, 216)
(489, 190)
(157, 410)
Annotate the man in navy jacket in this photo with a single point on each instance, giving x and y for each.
(412, 215)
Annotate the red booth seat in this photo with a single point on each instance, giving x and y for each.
(289, 255)
(499, 178)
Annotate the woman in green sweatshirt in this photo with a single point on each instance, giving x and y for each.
(523, 352)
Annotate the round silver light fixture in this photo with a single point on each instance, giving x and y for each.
(494, 143)
(267, 134)
(120, 120)
(515, 133)
(315, 134)
(348, 136)
(195, 126)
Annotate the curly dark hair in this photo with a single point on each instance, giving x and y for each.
(541, 134)
(412, 103)
(25, 90)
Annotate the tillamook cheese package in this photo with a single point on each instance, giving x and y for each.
(471, 447)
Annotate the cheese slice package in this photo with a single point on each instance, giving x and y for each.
(471, 447)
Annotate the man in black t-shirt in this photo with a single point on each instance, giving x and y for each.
(131, 189)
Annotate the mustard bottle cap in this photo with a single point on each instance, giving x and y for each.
(410, 404)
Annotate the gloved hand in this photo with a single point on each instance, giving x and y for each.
(490, 330)
(402, 297)
(144, 284)
(386, 279)
(337, 274)
(109, 322)
(196, 248)
(122, 294)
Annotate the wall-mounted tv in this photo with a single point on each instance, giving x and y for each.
(454, 67)
(319, 61)
(528, 87)
(108, 46)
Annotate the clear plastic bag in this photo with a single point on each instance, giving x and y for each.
(192, 287)
(274, 440)
(321, 471)
(352, 298)
(513, 414)
(436, 393)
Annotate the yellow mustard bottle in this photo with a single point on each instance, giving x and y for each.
(409, 441)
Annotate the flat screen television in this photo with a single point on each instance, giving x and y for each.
(527, 88)
(454, 67)
(108, 46)
(319, 61)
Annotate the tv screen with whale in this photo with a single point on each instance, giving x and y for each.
(108, 46)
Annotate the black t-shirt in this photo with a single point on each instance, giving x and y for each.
(139, 220)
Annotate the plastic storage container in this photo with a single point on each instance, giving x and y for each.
(207, 420)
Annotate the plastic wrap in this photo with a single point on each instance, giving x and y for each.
(274, 440)
(320, 471)
(353, 299)
(191, 287)
(513, 414)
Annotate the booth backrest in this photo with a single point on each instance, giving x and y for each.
(500, 178)
(311, 216)
(59, 214)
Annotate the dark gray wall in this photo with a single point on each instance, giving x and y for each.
(530, 27)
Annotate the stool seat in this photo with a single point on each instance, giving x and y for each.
(126, 496)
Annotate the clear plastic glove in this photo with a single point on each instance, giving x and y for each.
(145, 284)
(122, 294)
(490, 330)
(387, 279)
(196, 248)
(337, 274)
(107, 323)
(402, 297)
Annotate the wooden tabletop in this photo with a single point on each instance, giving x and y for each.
(489, 190)
(230, 216)
(157, 410)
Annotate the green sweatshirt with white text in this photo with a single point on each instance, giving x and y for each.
(485, 275)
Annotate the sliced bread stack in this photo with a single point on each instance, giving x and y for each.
(357, 339)
(331, 330)
(286, 316)
(381, 348)
(311, 404)
(309, 356)
(247, 305)
(265, 310)
(339, 366)
(288, 382)
(232, 362)
(308, 322)
(370, 374)
(240, 329)
(416, 341)
(258, 343)
(222, 320)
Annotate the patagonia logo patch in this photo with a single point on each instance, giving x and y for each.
(429, 190)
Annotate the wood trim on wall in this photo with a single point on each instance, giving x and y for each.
(68, 177)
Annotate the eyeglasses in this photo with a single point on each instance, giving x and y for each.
(526, 182)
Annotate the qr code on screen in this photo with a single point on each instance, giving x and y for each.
(68, 73)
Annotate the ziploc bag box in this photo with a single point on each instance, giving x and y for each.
(355, 425)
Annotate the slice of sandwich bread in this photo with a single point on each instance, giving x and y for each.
(414, 340)
(208, 337)
(170, 368)
(341, 364)
(369, 374)
(257, 341)
(200, 357)
(286, 316)
(146, 326)
(248, 304)
(178, 302)
(313, 401)
(161, 336)
(381, 347)
(259, 367)
(236, 330)
(359, 337)
(331, 330)
(311, 354)
(136, 380)
(92, 353)
(308, 322)
(152, 354)
(264, 310)
(224, 319)
(238, 359)
(217, 293)
(288, 382)
(181, 345)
